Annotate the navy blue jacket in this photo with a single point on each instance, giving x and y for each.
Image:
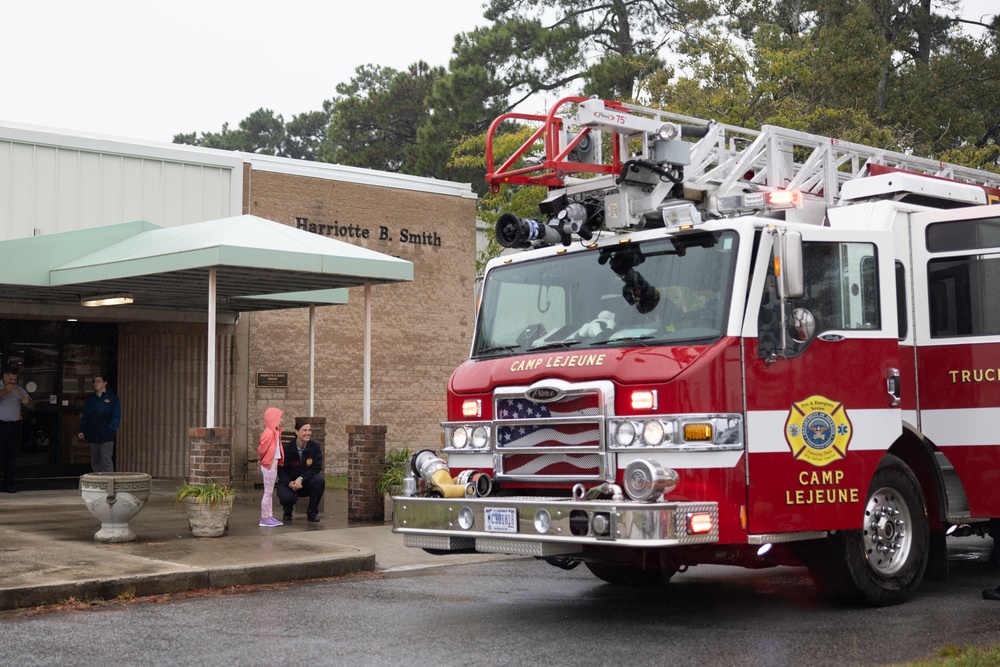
(310, 465)
(101, 416)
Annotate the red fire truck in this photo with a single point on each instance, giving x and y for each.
(727, 346)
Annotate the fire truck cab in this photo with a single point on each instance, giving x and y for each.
(723, 345)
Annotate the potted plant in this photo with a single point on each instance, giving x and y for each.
(208, 506)
(391, 479)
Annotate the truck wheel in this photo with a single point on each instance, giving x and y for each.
(630, 575)
(883, 563)
(994, 531)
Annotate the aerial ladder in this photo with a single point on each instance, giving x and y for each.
(663, 167)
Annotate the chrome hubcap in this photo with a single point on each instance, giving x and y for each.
(887, 531)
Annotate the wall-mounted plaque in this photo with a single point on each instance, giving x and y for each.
(272, 379)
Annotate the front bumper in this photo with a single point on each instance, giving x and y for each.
(547, 526)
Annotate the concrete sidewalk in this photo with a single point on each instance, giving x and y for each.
(48, 553)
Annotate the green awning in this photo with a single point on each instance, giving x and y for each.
(259, 264)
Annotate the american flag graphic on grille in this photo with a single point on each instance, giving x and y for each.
(513, 432)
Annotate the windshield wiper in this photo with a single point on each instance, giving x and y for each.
(498, 348)
(552, 346)
(626, 339)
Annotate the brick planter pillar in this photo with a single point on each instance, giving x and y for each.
(210, 455)
(365, 461)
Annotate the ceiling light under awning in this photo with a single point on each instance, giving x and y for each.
(120, 299)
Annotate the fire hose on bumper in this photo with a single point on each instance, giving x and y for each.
(540, 526)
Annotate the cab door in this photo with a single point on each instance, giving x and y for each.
(956, 277)
(822, 394)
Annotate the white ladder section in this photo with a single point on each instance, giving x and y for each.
(729, 159)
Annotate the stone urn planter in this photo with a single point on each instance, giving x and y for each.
(208, 507)
(115, 498)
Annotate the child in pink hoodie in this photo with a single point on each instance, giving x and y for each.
(269, 452)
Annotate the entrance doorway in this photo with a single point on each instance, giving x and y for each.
(56, 363)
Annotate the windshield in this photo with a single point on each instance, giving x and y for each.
(656, 292)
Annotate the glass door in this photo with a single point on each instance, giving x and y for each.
(81, 362)
(56, 363)
(38, 366)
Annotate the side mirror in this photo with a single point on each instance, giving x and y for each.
(803, 325)
(790, 265)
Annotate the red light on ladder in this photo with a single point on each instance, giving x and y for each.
(785, 198)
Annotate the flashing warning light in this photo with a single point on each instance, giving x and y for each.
(784, 198)
(699, 523)
(755, 201)
(644, 399)
(472, 408)
(697, 432)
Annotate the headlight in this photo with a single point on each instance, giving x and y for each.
(687, 432)
(625, 434)
(459, 438)
(480, 437)
(653, 433)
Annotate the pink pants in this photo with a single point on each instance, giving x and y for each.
(270, 475)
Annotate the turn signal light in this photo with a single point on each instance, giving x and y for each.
(699, 523)
(697, 432)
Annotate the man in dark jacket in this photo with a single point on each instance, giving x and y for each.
(102, 413)
(300, 474)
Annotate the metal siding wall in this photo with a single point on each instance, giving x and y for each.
(68, 194)
(162, 388)
(46, 187)
(152, 184)
(111, 189)
(6, 185)
(22, 192)
(132, 193)
(89, 177)
(58, 189)
(173, 181)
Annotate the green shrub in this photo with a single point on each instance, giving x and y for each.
(212, 494)
(396, 461)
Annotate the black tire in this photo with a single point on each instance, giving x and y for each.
(621, 574)
(994, 531)
(884, 562)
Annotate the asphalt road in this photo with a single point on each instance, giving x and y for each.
(518, 612)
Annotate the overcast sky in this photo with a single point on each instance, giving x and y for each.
(151, 69)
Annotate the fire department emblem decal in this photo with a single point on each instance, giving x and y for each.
(818, 430)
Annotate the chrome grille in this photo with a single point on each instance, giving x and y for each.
(559, 440)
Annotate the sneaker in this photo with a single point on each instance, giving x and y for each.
(270, 522)
(314, 519)
(287, 518)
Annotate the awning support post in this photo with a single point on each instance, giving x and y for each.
(210, 374)
(367, 416)
(312, 360)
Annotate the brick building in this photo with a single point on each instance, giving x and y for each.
(56, 182)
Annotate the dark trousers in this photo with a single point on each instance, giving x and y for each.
(313, 489)
(10, 442)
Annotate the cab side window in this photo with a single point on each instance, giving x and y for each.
(841, 293)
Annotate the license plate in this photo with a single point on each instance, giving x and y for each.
(500, 520)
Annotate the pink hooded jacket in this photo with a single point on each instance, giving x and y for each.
(270, 439)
